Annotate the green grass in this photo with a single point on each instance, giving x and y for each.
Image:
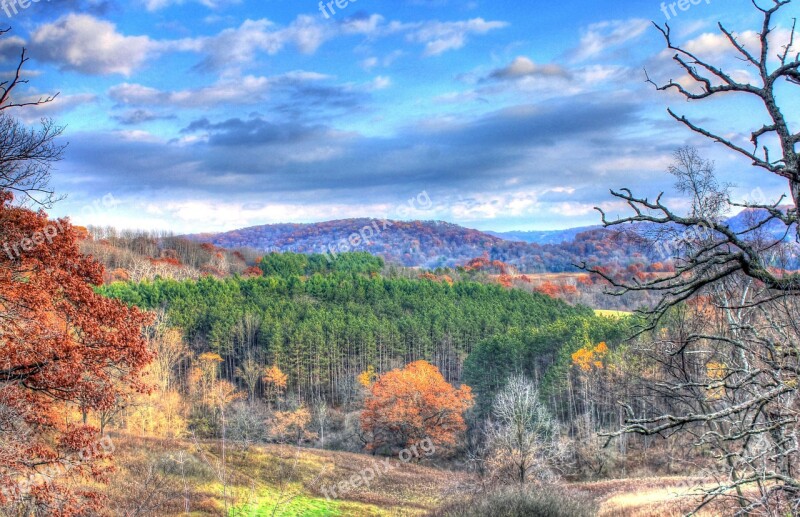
(301, 506)
(304, 506)
(268, 480)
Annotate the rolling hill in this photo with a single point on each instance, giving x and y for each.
(431, 244)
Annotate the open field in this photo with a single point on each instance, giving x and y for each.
(612, 314)
(648, 497)
(168, 477)
(265, 479)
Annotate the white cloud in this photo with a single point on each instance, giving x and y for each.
(440, 37)
(10, 48)
(155, 5)
(524, 67)
(59, 105)
(368, 26)
(602, 36)
(89, 45)
(380, 83)
(241, 90)
(716, 45)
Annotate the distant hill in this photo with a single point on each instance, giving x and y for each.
(749, 217)
(415, 243)
(432, 244)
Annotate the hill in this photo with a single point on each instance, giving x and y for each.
(306, 325)
(415, 243)
(432, 244)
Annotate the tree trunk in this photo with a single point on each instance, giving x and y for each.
(795, 187)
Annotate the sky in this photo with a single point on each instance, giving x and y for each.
(212, 115)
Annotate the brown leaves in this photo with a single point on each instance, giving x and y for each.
(61, 344)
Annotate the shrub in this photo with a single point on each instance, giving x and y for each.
(530, 501)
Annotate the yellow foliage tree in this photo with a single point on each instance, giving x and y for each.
(292, 426)
(590, 357)
(275, 382)
(368, 377)
(716, 373)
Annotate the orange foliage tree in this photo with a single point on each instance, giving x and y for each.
(408, 405)
(62, 346)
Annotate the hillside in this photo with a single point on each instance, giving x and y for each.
(434, 244)
(283, 479)
(431, 244)
(307, 325)
(288, 481)
(416, 243)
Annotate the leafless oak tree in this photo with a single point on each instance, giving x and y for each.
(26, 154)
(714, 81)
(724, 337)
(731, 251)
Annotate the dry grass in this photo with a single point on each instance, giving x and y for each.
(160, 477)
(165, 475)
(648, 497)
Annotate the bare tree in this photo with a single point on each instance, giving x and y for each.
(250, 373)
(523, 437)
(727, 367)
(726, 350)
(714, 80)
(26, 155)
(322, 417)
(729, 252)
(170, 349)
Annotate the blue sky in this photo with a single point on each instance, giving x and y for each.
(208, 115)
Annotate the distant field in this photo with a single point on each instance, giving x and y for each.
(613, 314)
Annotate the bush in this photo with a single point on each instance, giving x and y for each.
(530, 501)
(247, 424)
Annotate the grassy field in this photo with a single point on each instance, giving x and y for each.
(612, 314)
(268, 480)
(648, 497)
(183, 477)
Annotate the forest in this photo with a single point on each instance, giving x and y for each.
(350, 368)
(325, 329)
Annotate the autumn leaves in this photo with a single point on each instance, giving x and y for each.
(413, 404)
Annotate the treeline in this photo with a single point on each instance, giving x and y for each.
(323, 330)
(136, 255)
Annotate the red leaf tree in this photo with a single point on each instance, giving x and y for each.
(407, 406)
(62, 347)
